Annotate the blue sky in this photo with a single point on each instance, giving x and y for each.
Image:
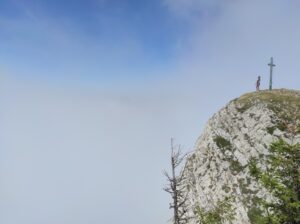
(103, 40)
(92, 91)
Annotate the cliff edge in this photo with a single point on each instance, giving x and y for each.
(239, 132)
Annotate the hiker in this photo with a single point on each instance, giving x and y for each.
(258, 83)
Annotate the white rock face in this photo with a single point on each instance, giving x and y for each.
(242, 130)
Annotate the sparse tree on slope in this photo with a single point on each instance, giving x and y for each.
(175, 186)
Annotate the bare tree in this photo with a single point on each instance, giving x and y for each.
(175, 185)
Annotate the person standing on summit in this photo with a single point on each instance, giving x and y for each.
(258, 83)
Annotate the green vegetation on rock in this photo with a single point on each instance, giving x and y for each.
(222, 142)
(235, 166)
(282, 179)
(271, 130)
(256, 216)
(221, 213)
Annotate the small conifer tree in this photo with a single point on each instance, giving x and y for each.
(282, 179)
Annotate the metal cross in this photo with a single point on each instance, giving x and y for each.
(271, 64)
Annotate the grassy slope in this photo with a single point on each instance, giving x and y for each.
(285, 103)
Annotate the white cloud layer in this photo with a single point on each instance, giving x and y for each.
(86, 156)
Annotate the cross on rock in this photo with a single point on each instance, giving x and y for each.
(271, 64)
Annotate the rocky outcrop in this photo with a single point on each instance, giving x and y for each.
(241, 131)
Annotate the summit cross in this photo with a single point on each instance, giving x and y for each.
(271, 64)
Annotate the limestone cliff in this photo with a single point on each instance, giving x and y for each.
(242, 130)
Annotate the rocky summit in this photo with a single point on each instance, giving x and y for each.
(239, 132)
